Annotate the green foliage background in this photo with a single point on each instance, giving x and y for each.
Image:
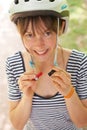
(76, 36)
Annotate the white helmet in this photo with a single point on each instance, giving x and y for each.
(23, 8)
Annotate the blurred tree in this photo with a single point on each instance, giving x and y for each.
(76, 36)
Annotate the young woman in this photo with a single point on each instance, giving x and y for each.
(47, 83)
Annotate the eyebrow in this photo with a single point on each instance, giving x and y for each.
(42, 32)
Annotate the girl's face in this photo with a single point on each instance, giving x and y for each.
(40, 43)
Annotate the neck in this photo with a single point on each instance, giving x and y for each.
(44, 66)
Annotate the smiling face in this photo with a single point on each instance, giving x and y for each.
(39, 38)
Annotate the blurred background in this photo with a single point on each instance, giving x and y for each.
(10, 42)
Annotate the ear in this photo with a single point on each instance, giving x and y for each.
(62, 27)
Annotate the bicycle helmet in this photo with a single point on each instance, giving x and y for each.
(23, 8)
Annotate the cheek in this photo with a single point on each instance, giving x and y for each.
(52, 44)
(27, 45)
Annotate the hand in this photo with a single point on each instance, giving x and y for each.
(61, 80)
(27, 84)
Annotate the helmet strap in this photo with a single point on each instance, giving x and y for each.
(56, 49)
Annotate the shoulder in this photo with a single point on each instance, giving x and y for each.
(14, 58)
(15, 63)
(78, 53)
(75, 54)
(75, 58)
(77, 61)
(79, 56)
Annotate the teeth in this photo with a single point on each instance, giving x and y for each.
(40, 52)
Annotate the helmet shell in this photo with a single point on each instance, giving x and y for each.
(23, 8)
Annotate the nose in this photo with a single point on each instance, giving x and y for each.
(39, 40)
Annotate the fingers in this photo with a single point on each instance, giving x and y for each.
(62, 76)
(27, 76)
(60, 70)
(61, 80)
(27, 82)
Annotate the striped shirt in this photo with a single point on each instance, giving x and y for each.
(49, 113)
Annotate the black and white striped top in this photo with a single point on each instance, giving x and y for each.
(49, 113)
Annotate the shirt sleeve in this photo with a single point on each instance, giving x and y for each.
(82, 79)
(14, 92)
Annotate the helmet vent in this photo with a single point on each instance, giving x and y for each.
(26, 0)
(38, 0)
(51, 0)
(16, 1)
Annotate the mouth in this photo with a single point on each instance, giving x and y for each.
(42, 52)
